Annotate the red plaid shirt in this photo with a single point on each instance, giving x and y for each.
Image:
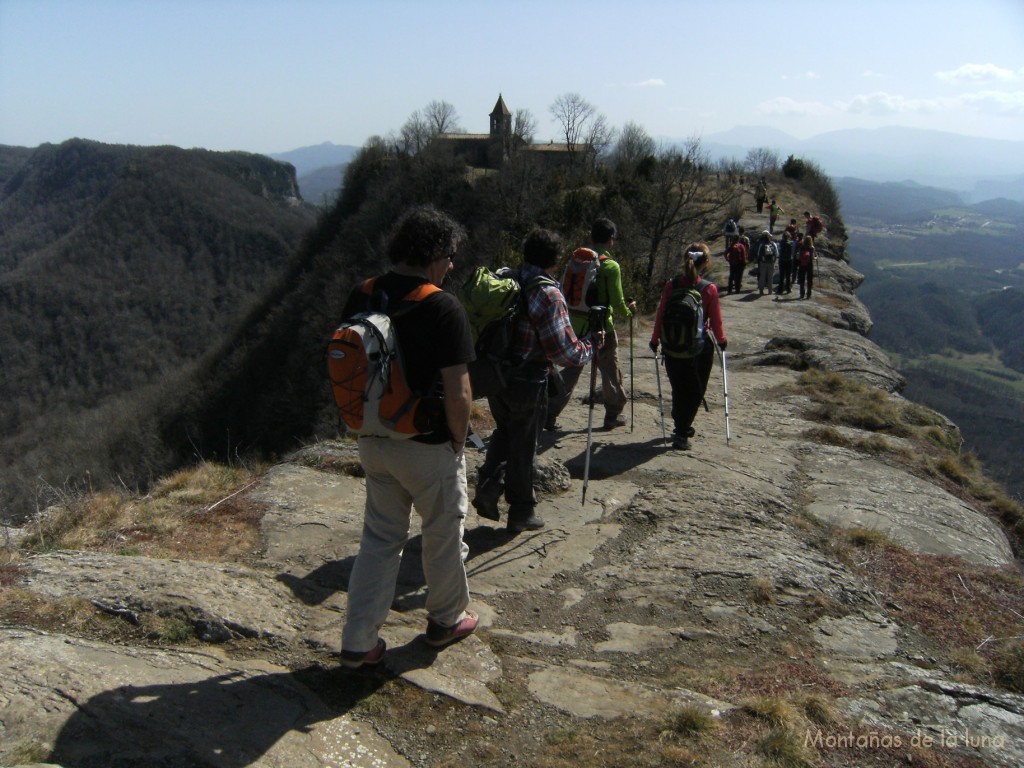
(544, 331)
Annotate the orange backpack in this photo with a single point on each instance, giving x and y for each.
(367, 374)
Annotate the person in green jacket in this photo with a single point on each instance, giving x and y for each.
(609, 294)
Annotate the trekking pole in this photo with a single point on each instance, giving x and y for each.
(725, 386)
(596, 315)
(661, 403)
(632, 400)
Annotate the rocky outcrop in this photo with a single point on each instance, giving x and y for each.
(697, 561)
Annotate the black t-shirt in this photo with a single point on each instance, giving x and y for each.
(433, 333)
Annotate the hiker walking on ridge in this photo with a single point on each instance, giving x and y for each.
(689, 355)
(730, 232)
(761, 194)
(786, 262)
(607, 292)
(773, 214)
(814, 225)
(543, 335)
(736, 258)
(806, 257)
(766, 252)
(428, 471)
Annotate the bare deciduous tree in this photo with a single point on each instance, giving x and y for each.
(598, 137)
(634, 145)
(415, 134)
(680, 194)
(761, 161)
(524, 127)
(441, 117)
(437, 117)
(574, 114)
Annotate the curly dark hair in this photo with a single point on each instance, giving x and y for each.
(603, 230)
(542, 247)
(424, 234)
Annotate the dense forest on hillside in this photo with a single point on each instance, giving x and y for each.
(945, 287)
(118, 267)
(140, 260)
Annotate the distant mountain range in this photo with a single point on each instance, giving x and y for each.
(980, 169)
(319, 169)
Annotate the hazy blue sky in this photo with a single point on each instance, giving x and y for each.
(275, 75)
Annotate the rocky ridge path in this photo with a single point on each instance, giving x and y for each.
(680, 567)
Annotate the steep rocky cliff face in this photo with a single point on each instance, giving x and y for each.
(743, 601)
(121, 267)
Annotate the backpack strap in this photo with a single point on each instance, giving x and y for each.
(418, 293)
(421, 292)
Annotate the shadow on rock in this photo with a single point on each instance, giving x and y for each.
(610, 459)
(321, 583)
(228, 720)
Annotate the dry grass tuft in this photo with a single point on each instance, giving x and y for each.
(784, 747)
(819, 710)
(975, 612)
(778, 712)
(691, 721)
(838, 400)
(1008, 666)
(200, 514)
(762, 590)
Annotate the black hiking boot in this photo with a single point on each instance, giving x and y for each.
(524, 521)
(485, 502)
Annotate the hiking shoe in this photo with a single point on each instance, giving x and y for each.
(520, 523)
(615, 421)
(485, 502)
(552, 426)
(680, 443)
(356, 659)
(690, 431)
(439, 636)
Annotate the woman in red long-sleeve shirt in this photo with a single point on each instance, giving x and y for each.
(688, 376)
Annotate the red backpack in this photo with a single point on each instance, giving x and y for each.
(579, 281)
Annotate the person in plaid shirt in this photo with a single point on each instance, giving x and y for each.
(544, 336)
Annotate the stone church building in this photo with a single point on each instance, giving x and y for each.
(492, 150)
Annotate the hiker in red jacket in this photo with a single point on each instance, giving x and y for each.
(736, 258)
(805, 258)
(813, 224)
(688, 376)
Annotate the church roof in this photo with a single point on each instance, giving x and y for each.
(500, 108)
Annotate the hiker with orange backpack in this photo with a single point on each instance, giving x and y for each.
(592, 278)
(425, 471)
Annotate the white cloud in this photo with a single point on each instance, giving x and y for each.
(978, 73)
(654, 82)
(872, 75)
(878, 103)
(811, 75)
(881, 104)
(997, 102)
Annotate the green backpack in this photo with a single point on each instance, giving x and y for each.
(493, 302)
(682, 323)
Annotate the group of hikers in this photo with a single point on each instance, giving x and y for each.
(794, 256)
(554, 339)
